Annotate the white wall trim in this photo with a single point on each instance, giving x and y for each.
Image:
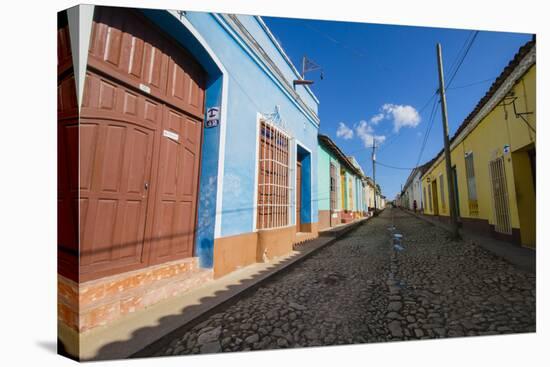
(223, 123)
(284, 55)
(259, 117)
(298, 142)
(312, 117)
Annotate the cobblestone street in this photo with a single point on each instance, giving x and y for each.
(363, 289)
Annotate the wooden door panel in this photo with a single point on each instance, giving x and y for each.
(64, 55)
(115, 213)
(125, 45)
(188, 164)
(139, 83)
(67, 182)
(177, 189)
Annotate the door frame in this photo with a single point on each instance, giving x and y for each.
(456, 194)
(164, 104)
(298, 214)
(435, 197)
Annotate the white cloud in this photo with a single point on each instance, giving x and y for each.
(366, 133)
(377, 118)
(403, 115)
(344, 131)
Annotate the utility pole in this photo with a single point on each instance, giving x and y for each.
(450, 183)
(374, 170)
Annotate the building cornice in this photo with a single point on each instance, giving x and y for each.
(239, 32)
(284, 55)
(524, 65)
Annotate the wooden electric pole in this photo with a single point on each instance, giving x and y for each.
(450, 183)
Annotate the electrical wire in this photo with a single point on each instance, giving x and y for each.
(394, 167)
(457, 57)
(472, 84)
(455, 67)
(335, 41)
(427, 133)
(462, 60)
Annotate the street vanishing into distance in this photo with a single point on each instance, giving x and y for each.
(364, 288)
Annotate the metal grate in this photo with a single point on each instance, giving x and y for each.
(333, 187)
(500, 196)
(273, 180)
(471, 181)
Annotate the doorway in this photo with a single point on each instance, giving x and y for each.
(435, 200)
(333, 194)
(298, 195)
(139, 157)
(455, 192)
(500, 196)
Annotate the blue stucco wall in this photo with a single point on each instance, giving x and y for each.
(253, 23)
(208, 180)
(250, 91)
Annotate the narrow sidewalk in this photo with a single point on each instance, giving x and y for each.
(134, 333)
(522, 257)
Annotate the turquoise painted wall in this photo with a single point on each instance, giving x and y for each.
(325, 158)
(323, 178)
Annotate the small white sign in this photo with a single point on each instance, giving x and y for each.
(171, 135)
(334, 215)
(212, 117)
(506, 149)
(145, 88)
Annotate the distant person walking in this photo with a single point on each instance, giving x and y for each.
(414, 205)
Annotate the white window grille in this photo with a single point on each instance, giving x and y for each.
(333, 187)
(273, 177)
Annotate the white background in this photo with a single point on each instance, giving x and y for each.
(28, 182)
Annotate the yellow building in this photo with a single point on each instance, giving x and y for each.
(493, 159)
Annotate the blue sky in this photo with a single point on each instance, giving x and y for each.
(378, 77)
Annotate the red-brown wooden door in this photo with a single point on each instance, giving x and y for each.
(67, 155)
(298, 195)
(114, 177)
(177, 185)
(140, 139)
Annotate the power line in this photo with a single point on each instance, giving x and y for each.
(473, 83)
(457, 57)
(394, 167)
(334, 40)
(455, 66)
(462, 60)
(427, 133)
